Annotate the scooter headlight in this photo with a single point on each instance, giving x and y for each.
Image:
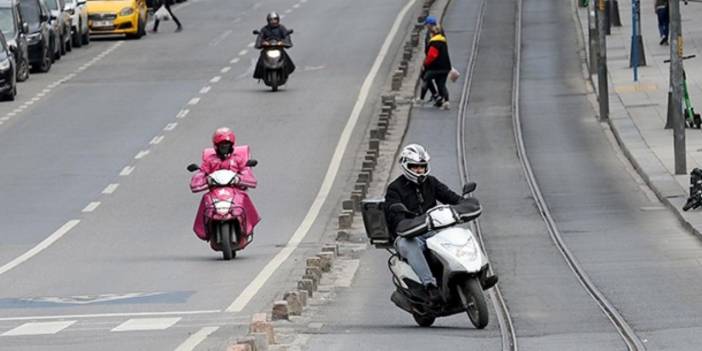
(273, 54)
(222, 207)
(468, 250)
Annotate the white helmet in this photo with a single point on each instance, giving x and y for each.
(414, 154)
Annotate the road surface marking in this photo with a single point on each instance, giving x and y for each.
(288, 11)
(205, 90)
(157, 140)
(170, 126)
(215, 79)
(40, 328)
(234, 60)
(126, 171)
(296, 5)
(226, 69)
(191, 343)
(243, 52)
(251, 44)
(91, 206)
(252, 289)
(182, 114)
(194, 101)
(141, 154)
(41, 246)
(110, 188)
(146, 324)
(112, 315)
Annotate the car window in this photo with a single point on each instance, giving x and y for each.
(7, 21)
(31, 11)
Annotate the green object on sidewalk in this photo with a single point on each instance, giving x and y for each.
(693, 119)
(584, 3)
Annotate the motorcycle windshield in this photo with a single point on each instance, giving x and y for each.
(222, 177)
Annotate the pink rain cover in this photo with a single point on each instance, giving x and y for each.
(237, 163)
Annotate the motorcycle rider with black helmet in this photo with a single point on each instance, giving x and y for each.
(273, 31)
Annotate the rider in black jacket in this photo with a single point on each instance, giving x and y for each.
(419, 192)
(273, 31)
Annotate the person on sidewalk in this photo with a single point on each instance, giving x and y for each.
(167, 4)
(663, 14)
(427, 85)
(437, 66)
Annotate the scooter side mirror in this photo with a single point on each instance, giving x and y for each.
(251, 163)
(193, 167)
(256, 32)
(469, 188)
(290, 32)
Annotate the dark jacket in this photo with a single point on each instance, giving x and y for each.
(279, 33)
(437, 56)
(402, 190)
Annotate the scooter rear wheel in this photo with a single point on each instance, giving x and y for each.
(471, 294)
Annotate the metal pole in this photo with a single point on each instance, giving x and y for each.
(602, 86)
(676, 83)
(592, 36)
(637, 57)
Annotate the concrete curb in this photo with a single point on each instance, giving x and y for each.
(634, 147)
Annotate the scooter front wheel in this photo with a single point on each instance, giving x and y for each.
(225, 236)
(423, 321)
(471, 294)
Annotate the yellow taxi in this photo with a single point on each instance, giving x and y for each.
(117, 17)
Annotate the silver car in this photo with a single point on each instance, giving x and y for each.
(78, 11)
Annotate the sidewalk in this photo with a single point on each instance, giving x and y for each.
(638, 110)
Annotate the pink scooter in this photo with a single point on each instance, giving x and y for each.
(226, 216)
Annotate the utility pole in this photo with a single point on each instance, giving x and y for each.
(602, 86)
(638, 58)
(676, 85)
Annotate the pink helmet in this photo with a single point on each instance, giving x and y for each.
(223, 134)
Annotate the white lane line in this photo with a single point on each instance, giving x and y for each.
(141, 154)
(243, 52)
(234, 60)
(288, 11)
(251, 44)
(191, 343)
(296, 5)
(225, 69)
(252, 289)
(157, 140)
(170, 126)
(126, 171)
(91, 206)
(147, 324)
(215, 79)
(7, 118)
(182, 114)
(41, 246)
(41, 328)
(112, 315)
(205, 90)
(194, 101)
(110, 188)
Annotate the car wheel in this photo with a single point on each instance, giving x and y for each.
(69, 41)
(62, 46)
(46, 61)
(86, 37)
(23, 71)
(77, 38)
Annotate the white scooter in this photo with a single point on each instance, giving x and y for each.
(454, 255)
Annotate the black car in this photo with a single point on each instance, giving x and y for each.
(61, 22)
(37, 16)
(8, 71)
(15, 29)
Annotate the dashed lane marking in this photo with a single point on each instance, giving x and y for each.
(157, 140)
(205, 90)
(91, 206)
(194, 101)
(39, 328)
(234, 60)
(126, 171)
(191, 343)
(147, 324)
(170, 126)
(243, 52)
(182, 114)
(110, 188)
(225, 69)
(215, 79)
(141, 154)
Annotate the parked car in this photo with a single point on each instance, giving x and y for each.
(8, 73)
(62, 24)
(126, 17)
(15, 30)
(40, 47)
(80, 33)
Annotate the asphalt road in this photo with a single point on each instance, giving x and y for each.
(97, 119)
(634, 250)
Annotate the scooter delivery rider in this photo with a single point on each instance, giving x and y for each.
(419, 192)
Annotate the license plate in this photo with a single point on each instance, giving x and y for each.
(102, 24)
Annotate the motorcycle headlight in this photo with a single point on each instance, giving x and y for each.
(126, 11)
(4, 64)
(222, 207)
(274, 54)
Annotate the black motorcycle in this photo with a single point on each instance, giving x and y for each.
(274, 65)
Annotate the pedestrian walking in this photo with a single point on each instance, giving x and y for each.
(663, 13)
(437, 66)
(427, 84)
(167, 5)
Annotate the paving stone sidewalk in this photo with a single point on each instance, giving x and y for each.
(638, 109)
